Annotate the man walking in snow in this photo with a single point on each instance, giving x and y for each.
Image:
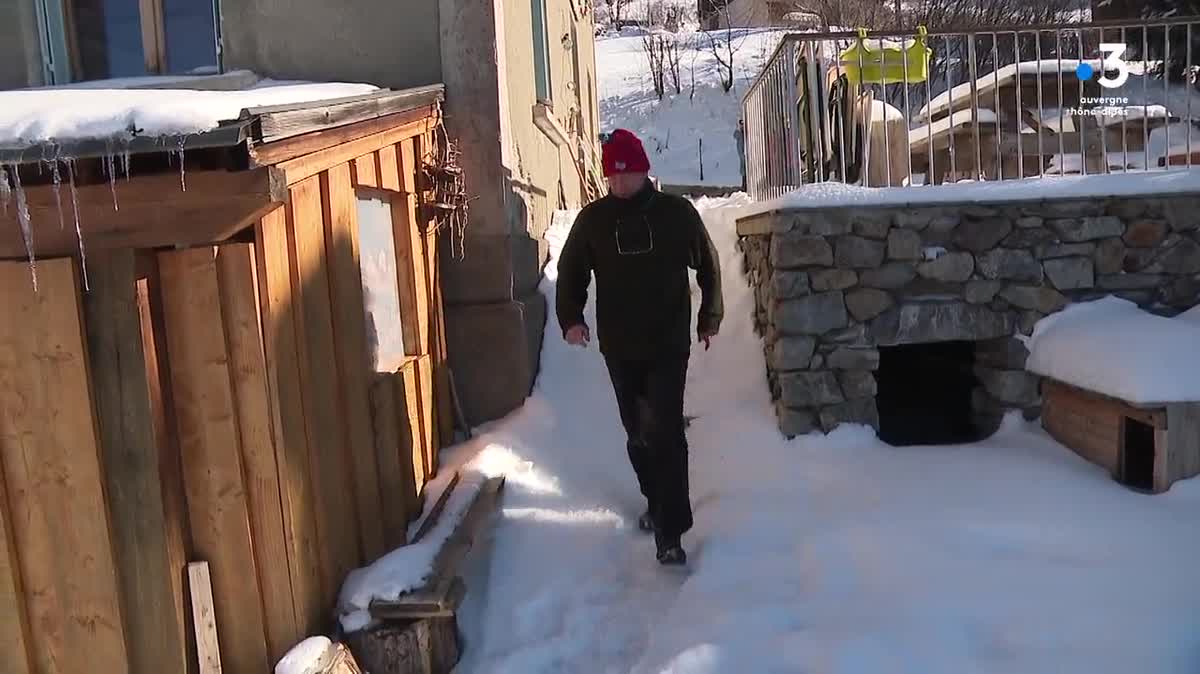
(640, 243)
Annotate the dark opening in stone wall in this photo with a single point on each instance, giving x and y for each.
(925, 394)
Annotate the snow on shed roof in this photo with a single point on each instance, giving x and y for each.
(61, 115)
(986, 83)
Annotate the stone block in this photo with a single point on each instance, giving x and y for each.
(1005, 353)
(809, 389)
(856, 252)
(863, 411)
(1066, 209)
(1183, 214)
(903, 244)
(858, 384)
(853, 359)
(1050, 251)
(1130, 281)
(1182, 258)
(790, 251)
(822, 222)
(787, 284)
(890, 276)
(949, 267)
(867, 303)
(817, 362)
(855, 335)
(1109, 256)
(1029, 222)
(939, 322)
(1128, 209)
(1028, 320)
(1012, 387)
(792, 353)
(982, 292)
(872, 223)
(1076, 230)
(1010, 265)
(793, 422)
(1029, 238)
(813, 314)
(930, 289)
(1071, 273)
(1146, 233)
(914, 219)
(982, 234)
(1182, 293)
(1035, 298)
(1138, 259)
(833, 279)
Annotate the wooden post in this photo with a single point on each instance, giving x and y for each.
(131, 464)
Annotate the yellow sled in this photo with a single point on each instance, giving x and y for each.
(885, 61)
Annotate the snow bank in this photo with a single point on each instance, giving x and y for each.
(1112, 347)
(408, 567)
(31, 116)
(826, 195)
(312, 656)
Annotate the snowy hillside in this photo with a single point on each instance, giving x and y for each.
(830, 554)
(673, 128)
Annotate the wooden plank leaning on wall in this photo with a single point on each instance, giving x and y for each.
(238, 283)
(15, 640)
(350, 339)
(280, 317)
(333, 485)
(206, 409)
(130, 451)
(50, 456)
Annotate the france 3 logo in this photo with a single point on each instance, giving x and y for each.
(1112, 61)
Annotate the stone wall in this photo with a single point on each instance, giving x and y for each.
(835, 284)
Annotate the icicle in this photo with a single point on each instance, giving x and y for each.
(62, 222)
(110, 166)
(182, 178)
(125, 162)
(78, 229)
(26, 226)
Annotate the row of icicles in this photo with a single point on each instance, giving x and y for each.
(12, 195)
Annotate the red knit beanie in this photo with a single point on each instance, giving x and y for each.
(623, 153)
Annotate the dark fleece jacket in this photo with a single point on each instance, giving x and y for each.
(640, 250)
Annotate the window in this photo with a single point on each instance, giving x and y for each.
(129, 38)
(541, 53)
(381, 295)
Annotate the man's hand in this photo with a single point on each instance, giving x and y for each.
(707, 337)
(579, 335)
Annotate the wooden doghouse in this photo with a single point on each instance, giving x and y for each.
(1145, 447)
(254, 377)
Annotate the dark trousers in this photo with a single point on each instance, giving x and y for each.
(650, 400)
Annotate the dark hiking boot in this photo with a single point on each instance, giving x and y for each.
(670, 552)
(645, 522)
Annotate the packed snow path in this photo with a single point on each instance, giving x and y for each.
(830, 555)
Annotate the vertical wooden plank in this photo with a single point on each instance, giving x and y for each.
(280, 316)
(52, 469)
(395, 475)
(444, 407)
(209, 439)
(409, 236)
(1183, 442)
(14, 623)
(350, 340)
(425, 376)
(238, 284)
(389, 168)
(410, 418)
(204, 615)
(170, 462)
(332, 485)
(365, 171)
(131, 464)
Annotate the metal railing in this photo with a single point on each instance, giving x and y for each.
(1000, 103)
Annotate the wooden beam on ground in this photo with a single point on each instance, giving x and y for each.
(350, 340)
(131, 465)
(238, 283)
(53, 473)
(206, 408)
(275, 152)
(337, 520)
(311, 164)
(152, 211)
(281, 314)
(204, 616)
(444, 590)
(435, 512)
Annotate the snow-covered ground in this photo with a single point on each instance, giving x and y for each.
(673, 128)
(831, 554)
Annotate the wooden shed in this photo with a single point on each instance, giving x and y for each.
(244, 365)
